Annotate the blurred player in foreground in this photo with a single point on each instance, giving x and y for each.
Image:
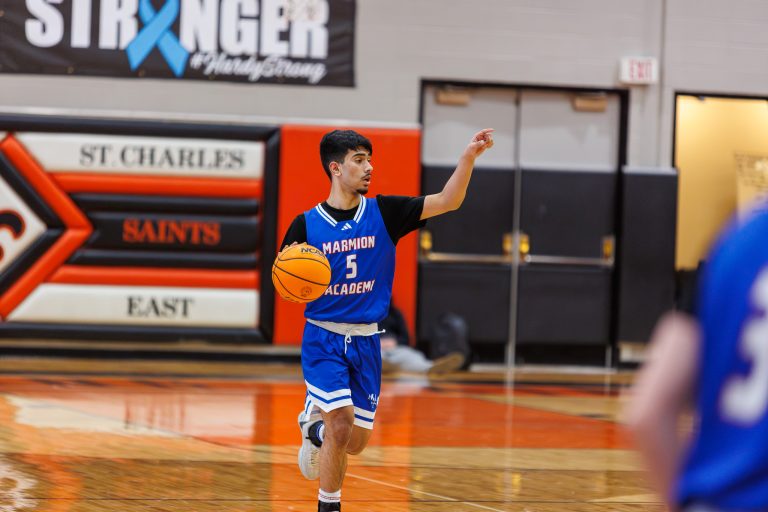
(716, 361)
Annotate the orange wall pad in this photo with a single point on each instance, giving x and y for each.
(131, 276)
(165, 186)
(303, 184)
(45, 186)
(78, 227)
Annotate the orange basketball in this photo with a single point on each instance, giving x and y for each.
(301, 273)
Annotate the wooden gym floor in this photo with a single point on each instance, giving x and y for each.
(85, 435)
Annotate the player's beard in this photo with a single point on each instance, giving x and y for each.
(364, 189)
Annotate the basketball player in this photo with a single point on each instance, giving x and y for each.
(718, 359)
(340, 353)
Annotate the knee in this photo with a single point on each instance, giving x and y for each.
(359, 441)
(338, 429)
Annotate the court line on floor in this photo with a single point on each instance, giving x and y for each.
(403, 488)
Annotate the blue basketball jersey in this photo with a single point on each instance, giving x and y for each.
(727, 464)
(362, 258)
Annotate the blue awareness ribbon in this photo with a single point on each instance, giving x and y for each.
(156, 32)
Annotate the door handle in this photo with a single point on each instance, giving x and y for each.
(426, 253)
(506, 258)
(606, 260)
(567, 260)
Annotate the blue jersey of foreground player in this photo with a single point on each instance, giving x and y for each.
(727, 465)
(362, 258)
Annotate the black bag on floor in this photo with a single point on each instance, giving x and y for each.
(449, 333)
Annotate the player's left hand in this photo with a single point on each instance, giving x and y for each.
(286, 247)
(481, 141)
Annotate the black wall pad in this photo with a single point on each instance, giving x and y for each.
(564, 305)
(28, 194)
(100, 352)
(477, 293)
(486, 215)
(173, 232)
(582, 355)
(21, 122)
(567, 213)
(20, 330)
(15, 270)
(269, 234)
(264, 210)
(166, 204)
(647, 273)
(109, 258)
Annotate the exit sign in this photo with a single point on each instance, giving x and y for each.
(639, 70)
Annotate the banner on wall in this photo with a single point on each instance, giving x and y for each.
(296, 42)
(751, 181)
(137, 155)
(102, 231)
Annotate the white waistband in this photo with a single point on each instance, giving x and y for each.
(347, 329)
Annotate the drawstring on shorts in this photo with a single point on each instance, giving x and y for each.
(348, 338)
(347, 330)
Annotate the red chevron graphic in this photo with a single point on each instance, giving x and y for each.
(12, 222)
(78, 229)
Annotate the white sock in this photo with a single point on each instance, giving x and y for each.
(329, 497)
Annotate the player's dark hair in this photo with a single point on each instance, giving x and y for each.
(336, 144)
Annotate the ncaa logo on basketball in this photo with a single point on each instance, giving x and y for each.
(245, 39)
(309, 250)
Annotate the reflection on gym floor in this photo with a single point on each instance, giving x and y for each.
(123, 436)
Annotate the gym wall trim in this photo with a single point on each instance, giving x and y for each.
(137, 230)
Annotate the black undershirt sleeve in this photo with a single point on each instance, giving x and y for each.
(297, 232)
(401, 214)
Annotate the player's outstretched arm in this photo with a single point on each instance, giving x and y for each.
(452, 195)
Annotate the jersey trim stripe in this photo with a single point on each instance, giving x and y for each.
(325, 215)
(336, 401)
(307, 407)
(360, 210)
(331, 406)
(327, 396)
(363, 423)
(363, 414)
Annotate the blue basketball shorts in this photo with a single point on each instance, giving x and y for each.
(339, 373)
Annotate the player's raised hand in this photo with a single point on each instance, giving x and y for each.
(481, 141)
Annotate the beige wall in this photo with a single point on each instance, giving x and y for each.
(399, 43)
(710, 133)
(717, 46)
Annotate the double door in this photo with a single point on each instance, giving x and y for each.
(529, 258)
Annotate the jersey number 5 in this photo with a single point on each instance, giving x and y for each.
(351, 266)
(744, 398)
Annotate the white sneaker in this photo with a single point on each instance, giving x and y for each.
(309, 454)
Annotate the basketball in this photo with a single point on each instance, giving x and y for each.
(301, 273)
